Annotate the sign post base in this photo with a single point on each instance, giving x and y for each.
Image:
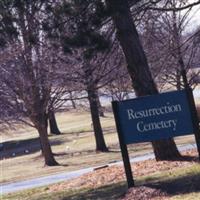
(124, 150)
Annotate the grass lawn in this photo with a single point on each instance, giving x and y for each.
(180, 183)
(110, 192)
(74, 149)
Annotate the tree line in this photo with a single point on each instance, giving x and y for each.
(58, 51)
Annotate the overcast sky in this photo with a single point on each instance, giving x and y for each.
(194, 17)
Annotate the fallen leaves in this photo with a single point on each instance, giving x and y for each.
(115, 173)
(144, 193)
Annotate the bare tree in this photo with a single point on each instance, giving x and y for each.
(28, 76)
(169, 46)
(138, 67)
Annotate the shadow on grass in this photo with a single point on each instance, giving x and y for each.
(185, 158)
(180, 185)
(111, 192)
(188, 158)
(19, 143)
(16, 148)
(78, 133)
(175, 186)
(69, 154)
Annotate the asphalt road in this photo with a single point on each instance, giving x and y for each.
(42, 181)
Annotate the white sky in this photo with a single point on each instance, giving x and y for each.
(194, 17)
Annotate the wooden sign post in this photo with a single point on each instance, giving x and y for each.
(124, 150)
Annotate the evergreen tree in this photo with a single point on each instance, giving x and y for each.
(76, 26)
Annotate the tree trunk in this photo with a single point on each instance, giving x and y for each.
(72, 100)
(92, 98)
(138, 68)
(45, 145)
(53, 124)
(100, 108)
(99, 138)
(178, 79)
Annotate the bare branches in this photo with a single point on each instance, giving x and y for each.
(188, 6)
(171, 44)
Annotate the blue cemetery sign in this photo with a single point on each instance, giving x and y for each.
(154, 117)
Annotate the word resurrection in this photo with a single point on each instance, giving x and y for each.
(168, 124)
(154, 117)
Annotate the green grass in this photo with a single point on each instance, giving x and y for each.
(181, 183)
(70, 122)
(74, 149)
(190, 196)
(172, 175)
(111, 192)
